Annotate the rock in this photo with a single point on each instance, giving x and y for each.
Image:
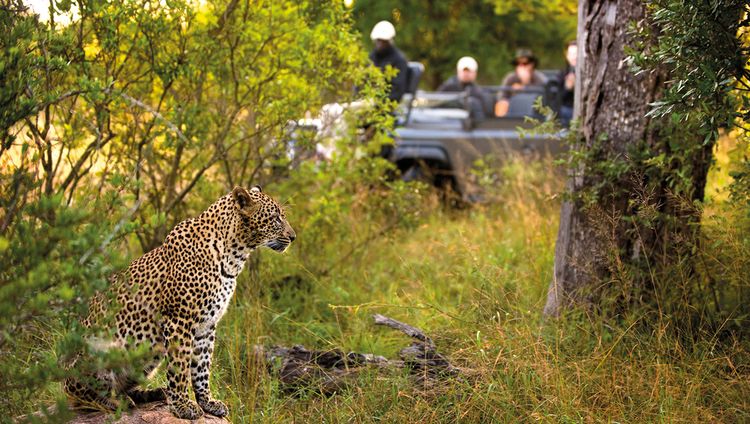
(150, 413)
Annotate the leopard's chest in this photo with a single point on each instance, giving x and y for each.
(217, 304)
(226, 265)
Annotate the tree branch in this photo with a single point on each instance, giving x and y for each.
(167, 122)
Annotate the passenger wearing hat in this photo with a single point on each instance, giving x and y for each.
(479, 101)
(385, 53)
(524, 75)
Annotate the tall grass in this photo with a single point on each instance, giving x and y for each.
(475, 280)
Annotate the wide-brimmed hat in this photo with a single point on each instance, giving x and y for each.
(524, 53)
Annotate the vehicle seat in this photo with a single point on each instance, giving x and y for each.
(522, 104)
(416, 70)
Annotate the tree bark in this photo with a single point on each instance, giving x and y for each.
(598, 242)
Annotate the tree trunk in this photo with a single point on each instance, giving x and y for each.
(602, 241)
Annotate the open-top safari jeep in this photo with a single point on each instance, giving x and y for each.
(438, 140)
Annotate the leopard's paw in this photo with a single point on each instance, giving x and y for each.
(214, 407)
(187, 409)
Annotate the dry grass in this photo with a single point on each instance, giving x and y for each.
(476, 280)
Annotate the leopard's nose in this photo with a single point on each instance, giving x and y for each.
(292, 235)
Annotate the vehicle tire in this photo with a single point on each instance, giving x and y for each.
(418, 172)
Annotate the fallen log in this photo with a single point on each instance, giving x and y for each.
(329, 371)
(422, 356)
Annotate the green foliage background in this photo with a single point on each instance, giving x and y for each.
(119, 120)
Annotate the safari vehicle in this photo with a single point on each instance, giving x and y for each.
(439, 141)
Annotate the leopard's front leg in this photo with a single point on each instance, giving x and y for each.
(200, 369)
(179, 337)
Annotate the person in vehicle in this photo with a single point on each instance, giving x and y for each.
(478, 101)
(567, 80)
(386, 54)
(524, 75)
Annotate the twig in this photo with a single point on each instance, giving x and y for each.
(404, 328)
(161, 117)
(112, 233)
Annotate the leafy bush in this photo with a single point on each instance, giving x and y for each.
(126, 120)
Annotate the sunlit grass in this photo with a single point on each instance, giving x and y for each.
(476, 281)
(719, 177)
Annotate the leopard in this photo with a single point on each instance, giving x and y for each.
(169, 301)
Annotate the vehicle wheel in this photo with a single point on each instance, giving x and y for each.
(417, 172)
(449, 193)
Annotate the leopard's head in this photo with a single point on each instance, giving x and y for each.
(262, 219)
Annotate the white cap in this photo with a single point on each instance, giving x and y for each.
(383, 30)
(467, 62)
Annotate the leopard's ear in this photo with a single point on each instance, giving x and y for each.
(244, 201)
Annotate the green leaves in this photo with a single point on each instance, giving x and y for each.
(698, 43)
(134, 116)
(52, 263)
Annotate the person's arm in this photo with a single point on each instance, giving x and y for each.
(502, 104)
(501, 107)
(570, 81)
